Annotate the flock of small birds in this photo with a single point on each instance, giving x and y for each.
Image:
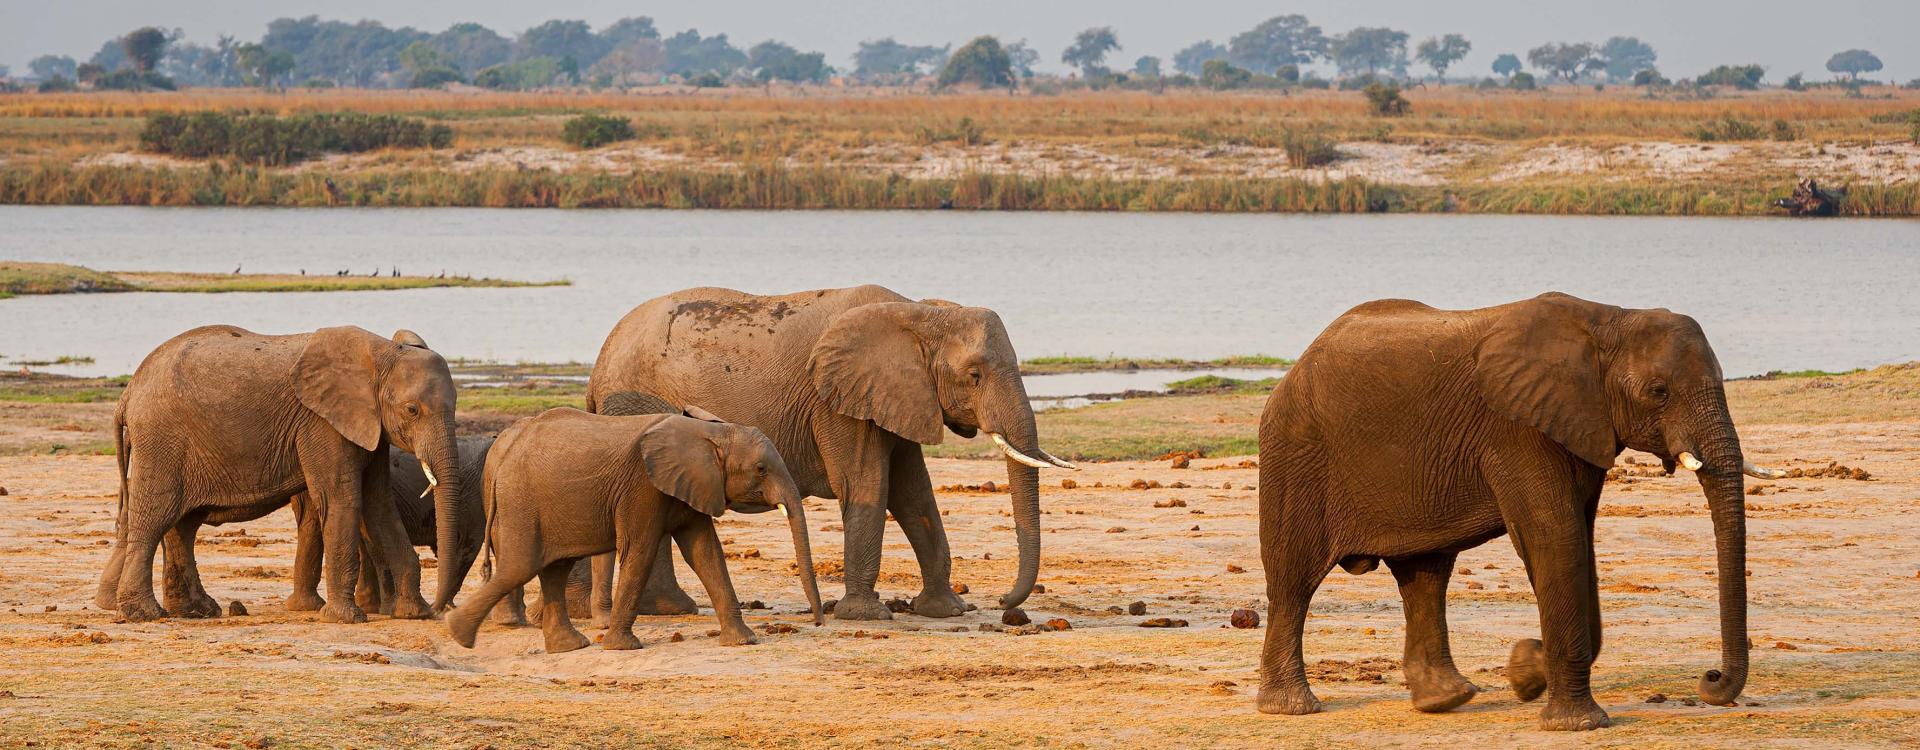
(393, 271)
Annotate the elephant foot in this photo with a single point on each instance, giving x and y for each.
(342, 613)
(510, 616)
(939, 601)
(1573, 716)
(1297, 701)
(566, 640)
(736, 635)
(1443, 693)
(104, 599)
(865, 606)
(368, 603)
(411, 608)
(304, 601)
(138, 610)
(619, 639)
(1527, 669)
(198, 607)
(463, 625)
(670, 602)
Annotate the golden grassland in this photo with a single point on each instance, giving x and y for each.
(1102, 151)
(17, 277)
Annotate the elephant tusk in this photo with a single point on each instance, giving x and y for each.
(1017, 455)
(783, 509)
(1747, 467)
(1687, 460)
(431, 481)
(1056, 461)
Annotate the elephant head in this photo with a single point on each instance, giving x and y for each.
(377, 392)
(913, 368)
(716, 466)
(1596, 378)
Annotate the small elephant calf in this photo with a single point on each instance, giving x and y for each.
(567, 485)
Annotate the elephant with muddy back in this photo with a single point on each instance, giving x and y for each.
(221, 425)
(1408, 434)
(849, 384)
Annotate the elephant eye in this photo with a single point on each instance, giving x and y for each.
(973, 373)
(761, 469)
(413, 409)
(1658, 391)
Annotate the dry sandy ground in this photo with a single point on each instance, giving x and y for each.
(1835, 610)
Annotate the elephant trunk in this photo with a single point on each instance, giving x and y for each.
(1720, 480)
(796, 514)
(441, 457)
(1024, 481)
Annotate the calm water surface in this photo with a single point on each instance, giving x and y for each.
(1771, 293)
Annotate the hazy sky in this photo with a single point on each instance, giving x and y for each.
(1787, 36)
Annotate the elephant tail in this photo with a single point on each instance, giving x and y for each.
(486, 534)
(122, 454)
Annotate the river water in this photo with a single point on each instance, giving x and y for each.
(1771, 293)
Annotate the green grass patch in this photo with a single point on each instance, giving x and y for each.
(1798, 374)
(57, 278)
(1065, 364)
(521, 401)
(1218, 384)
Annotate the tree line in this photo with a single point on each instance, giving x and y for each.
(1277, 52)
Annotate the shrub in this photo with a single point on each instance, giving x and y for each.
(1306, 150)
(1913, 121)
(1744, 77)
(1785, 131)
(1522, 81)
(1729, 129)
(1796, 82)
(966, 132)
(1221, 75)
(275, 141)
(708, 80)
(1386, 100)
(594, 131)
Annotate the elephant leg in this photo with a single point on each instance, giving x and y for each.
(1294, 572)
(386, 534)
(857, 468)
(1436, 683)
(512, 609)
(910, 498)
(180, 575)
(509, 574)
(144, 530)
(555, 624)
(663, 594)
(308, 547)
(580, 588)
(337, 488)
(1554, 537)
(638, 548)
(108, 591)
(700, 545)
(602, 599)
(366, 591)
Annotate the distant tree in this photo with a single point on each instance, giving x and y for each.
(1650, 77)
(1275, 42)
(429, 68)
(1795, 82)
(1441, 53)
(1148, 66)
(1563, 60)
(1623, 56)
(520, 75)
(634, 61)
(776, 61)
(981, 62)
(1089, 50)
(628, 29)
(561, 40)
(1369, 49)
(1745, 77)
(89, 72)
(1023, 58)
(49, 67)
(202, 65)
(470, 46)
(1506, 65)
(111, 56)
(1521, 81)
(262, 67)
(351, 54)
(886, 57)
(1853, 62)
(690, 54)
(1221, 75)
(1193, 60)
(144, 47)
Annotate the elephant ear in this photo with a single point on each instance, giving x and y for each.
(1540, 367)
(872, 363)
(405, 337)
(334, 378)
(700, 414)
(684, 461)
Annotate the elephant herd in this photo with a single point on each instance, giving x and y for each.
(1404, 434)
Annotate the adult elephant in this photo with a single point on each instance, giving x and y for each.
(221, 425)
(848, 383)
(1407, 434)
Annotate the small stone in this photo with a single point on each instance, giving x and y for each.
(1068, 484)
(1226, 485)
(1231, 568)
(960, 588)
(1182, 461)
(1057, 624)
(1244, 618)
(1117, 530)
(1785, 646)
(1466, 571)
(989, 486)
(713, 634)
(1196, 527)
(1015, 616)
(1689, 702)
(755, 604)
(236, 609)
(1023, 630)
(1179, 485)
(676, 637)
(53, 608)
(1657, 698)
(3, 492)
(1137, 608)
(776, 628)
(1163, 622)
(1173, 503)
(1475, 586)
(1039, 588)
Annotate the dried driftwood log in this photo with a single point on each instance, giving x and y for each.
(1809, 199)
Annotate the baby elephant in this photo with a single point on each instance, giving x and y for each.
(567, 485)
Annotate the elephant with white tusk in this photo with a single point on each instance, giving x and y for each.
(849, 384)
